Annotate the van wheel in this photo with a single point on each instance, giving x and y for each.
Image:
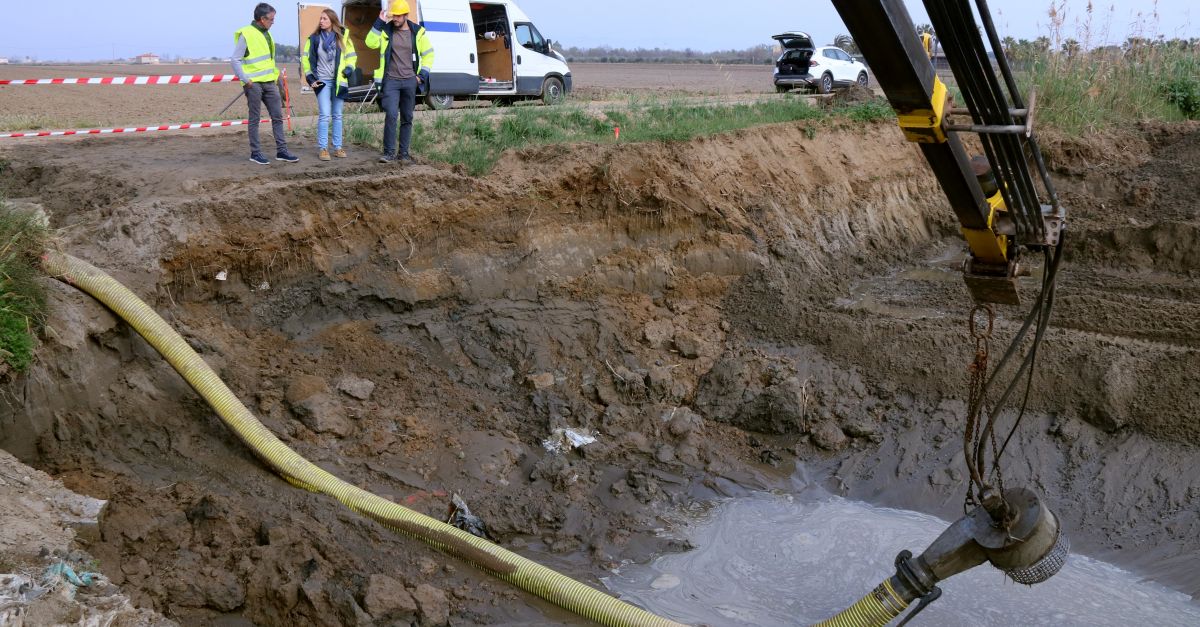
(437, 102)
(825, 86)
(552, 91)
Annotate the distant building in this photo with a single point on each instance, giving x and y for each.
(148, 58)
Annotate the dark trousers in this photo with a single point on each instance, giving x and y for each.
(256, 95)
(399, 100)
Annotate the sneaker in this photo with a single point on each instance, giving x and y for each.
(386, 158)
(340, 153)
(284, 155)
(257, 157)
(323, 155)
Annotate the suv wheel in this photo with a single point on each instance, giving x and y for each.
(862, 79)
(826, 84)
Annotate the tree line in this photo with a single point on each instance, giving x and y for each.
(763, 54)
(1024, 51)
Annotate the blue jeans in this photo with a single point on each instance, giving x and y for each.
(327, 104)
(399, 99)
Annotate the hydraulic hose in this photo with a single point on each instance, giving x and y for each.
(876, 609)
(502, 563)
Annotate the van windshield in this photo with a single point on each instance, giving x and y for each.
(528, 36)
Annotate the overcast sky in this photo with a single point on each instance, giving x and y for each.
(122, 28)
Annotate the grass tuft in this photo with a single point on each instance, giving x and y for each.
(870, 111)
(22, 297)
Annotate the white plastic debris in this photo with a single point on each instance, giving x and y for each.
(222, 275)
(262, 287)
(564, 440)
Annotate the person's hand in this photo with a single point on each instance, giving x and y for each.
(385, 16)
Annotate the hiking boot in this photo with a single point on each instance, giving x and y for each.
(323, 155)
(257, 157)
(386, 158)
(340, 153)
(284, 155)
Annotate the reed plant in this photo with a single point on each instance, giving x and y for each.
(1086, 85)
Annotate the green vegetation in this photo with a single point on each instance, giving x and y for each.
(1081, 89)
(1184, 92)
(1099, 90)
(869, 111)
(22, 299)
(475, 138)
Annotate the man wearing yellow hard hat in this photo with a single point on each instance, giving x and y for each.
(406, 57)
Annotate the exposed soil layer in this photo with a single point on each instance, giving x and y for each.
(715, 312)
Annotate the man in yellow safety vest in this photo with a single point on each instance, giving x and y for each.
(406, 58)
(254, 63)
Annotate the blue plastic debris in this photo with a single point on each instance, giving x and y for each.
(64, 571)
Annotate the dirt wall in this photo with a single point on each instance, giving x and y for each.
(714, 312)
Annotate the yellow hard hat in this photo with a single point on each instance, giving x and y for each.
(398, 7)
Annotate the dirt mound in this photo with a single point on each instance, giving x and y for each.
(853, 94)
(711, 311)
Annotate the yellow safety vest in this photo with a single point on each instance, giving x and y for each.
(347, 59)
(259, 62)
(378, 39)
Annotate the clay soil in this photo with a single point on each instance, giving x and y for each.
(715, 312)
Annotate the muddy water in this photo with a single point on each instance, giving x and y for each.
(795, 560)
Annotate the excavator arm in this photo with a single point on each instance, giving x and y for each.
(998, 201)
(995, 197)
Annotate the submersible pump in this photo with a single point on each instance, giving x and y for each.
(1013, 530)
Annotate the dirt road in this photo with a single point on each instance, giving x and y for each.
(714, 312)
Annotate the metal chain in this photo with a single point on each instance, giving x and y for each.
(976, 381)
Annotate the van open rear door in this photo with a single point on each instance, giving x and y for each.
(309, 15)
(358, 17)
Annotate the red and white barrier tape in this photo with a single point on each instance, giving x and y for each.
(132, 129)
(178, 79)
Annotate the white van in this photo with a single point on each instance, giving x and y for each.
(483, 49)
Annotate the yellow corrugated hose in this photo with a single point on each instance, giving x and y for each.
(876, 609)
(525, 574)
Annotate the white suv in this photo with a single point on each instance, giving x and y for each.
(832, 67)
